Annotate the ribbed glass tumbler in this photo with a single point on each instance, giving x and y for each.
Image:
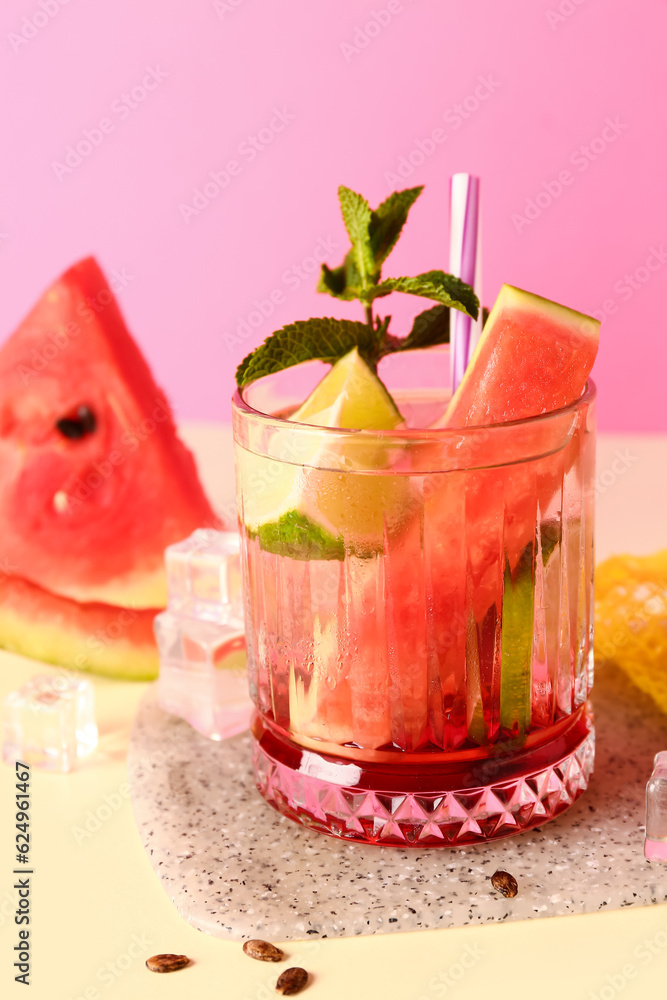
(419, 616)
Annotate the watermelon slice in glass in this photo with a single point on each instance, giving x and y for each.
(533, 356)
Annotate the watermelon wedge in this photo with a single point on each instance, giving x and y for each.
(534, 356)
(108, 640)
(94, 482)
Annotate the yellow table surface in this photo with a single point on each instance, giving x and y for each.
(98, 910)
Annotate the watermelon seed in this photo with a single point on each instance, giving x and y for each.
(505, 883)
(78, 426)
(263, 951)
(291, 981)
(167, 963)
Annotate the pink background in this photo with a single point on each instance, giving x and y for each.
(355, 104)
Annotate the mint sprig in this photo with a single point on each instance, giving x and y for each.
(373, 235)
(376, 231)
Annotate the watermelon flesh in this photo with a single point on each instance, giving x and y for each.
(534, 356)
(427, 626)
(94, 482)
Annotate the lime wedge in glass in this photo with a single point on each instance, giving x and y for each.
(314, 505)
(350, 395)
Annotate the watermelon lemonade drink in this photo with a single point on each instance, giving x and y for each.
(419, 577)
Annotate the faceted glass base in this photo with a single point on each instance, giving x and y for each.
(441, 804)
(655, 850)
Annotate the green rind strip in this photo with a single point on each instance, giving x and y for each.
(517, 645)
(517, 632)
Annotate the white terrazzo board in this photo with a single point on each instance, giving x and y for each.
(235, 868)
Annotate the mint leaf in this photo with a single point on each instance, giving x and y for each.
(443, 288)
(357, 217)
(342, 282)
(428, 328)
(323, 339)
(296, 536)
(387, 221)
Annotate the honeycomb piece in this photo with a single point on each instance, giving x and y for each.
(631, 620)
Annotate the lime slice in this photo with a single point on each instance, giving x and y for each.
(300, 510)
(351, 395)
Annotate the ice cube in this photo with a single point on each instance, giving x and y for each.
(202, 674)
(50, 722)
(655, 844)
(204, 577)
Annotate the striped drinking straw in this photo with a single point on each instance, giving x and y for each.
(464, 263)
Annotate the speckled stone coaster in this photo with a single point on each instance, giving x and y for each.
(235, 868)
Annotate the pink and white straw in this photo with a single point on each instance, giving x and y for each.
(464, 263)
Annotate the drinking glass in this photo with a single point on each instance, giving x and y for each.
(419, 618)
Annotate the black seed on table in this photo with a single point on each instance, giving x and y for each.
(167, 963)
(291, 981)
(505, 883)
(263, 951)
